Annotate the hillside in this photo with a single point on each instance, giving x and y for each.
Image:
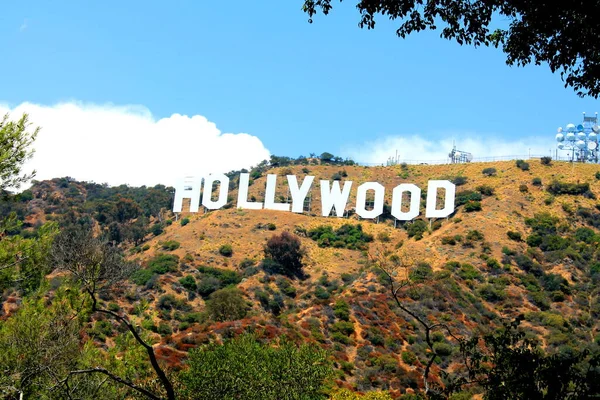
(531, 249)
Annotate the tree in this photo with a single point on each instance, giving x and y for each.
(565, 35)
(15, 142)
(226, 305)
(286, 252)
(508, 365)
(244, 368)
(97, 267)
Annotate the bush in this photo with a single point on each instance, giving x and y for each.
(598, 175)
(516, 236)
(189, 283)
(208, 285)
(473, 206)
(546, 160)
(346, 236)
(465, 196)
(485, 190)
(341, 310)
(343, 327)
(164, 329)
(163, 263)
(226, 250)
(171, 245)
(170, 302)
(459, 180)
(524, 166)
(523, 188)
(536, 181)
(421, 272)
(416, 229)
(142, 276)
(489, 171)
(557, 188)
(409, 358)
(442, 349)
(226, 305)
(184, 221)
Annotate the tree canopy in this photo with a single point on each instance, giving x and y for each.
(15, 142)
(564, 35)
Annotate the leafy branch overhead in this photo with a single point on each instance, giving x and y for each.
(15, 142)
(564, 35)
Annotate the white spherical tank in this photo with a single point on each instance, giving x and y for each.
(580, 144)
(581, 136)
(570, 128)
(592, 136)
(571, 136)
(561, 146)
(560, 137)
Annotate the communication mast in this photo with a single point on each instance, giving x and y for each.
(580, 141)
(459, 156)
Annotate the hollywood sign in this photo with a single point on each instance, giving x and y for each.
(332, 196)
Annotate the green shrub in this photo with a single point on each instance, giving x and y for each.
(522, 165)
(170, 302)
(285, 253)
(171, 245)
(226, 305)
(546, 160)
(536, 181)
(459, 180)
(344, 327)
(421, 272)
(485, 190)
(574, 189)
(416, 229)
(475, 235)
(341, 310)
(164, 329)
(473, 206)
(523, 188)
(163, 263)
(226, 250)
(465, 196)
(142, 276)
(516, 236)
(409, 358)
(189, 283)
(448, 240)
(489, 171)
(442, 349)
(184, 221)
(347, 236)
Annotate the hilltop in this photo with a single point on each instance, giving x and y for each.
(523, 240)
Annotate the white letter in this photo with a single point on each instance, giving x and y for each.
(415, 201)
(243, 194)
(361, 199)
(223, 189)
(270, 195)
(188, 188)
(334, 197)
(298, 195)
(432, 189)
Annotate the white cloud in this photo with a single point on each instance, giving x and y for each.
(419, 148)
(127, 145)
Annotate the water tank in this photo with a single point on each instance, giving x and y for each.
(560, 137)
(580, 144)
(570, 128)
(571, 136)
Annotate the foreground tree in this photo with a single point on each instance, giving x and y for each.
(565, 35)
(508, 365)
(15, 142)
(244, 368)
(97, 267)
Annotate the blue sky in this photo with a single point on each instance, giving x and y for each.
(262, 69)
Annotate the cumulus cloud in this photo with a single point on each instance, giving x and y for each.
(128, 145)
(417, 148)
